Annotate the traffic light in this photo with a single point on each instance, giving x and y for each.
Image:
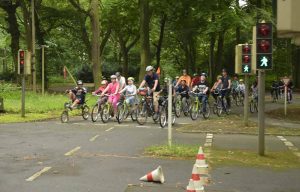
(264, 46)
(246, 58)
(21, 61)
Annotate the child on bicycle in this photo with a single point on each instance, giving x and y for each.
(104, 84)
(241, 87)
(203, 88)
(113, 90)
(77, 95)
(216, 87)
(130, 92)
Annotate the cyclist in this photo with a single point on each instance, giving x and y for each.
(113, 90)
(185, 77)
(226, 85)
(130, 91)
(275, 89)
(152, 80)
(241, 87)
(290, 86)
(235, 83)
(254, 89)
(165, 89)
(103, 99)
(195, 80)
(121, 80)
(77, 95)
(216, 87)
(202, 88)
(175, 81)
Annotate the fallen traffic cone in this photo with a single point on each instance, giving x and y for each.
(154, 176)
(200, 158)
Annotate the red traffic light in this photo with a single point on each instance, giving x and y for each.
(246, 49)
(264, 46)
(246, 59)
(264, 30)
(22, 54)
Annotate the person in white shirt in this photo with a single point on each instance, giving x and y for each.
(130, 91)
(241, 86)
(121, 80)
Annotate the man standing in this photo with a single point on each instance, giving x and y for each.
(121, 80)
(185, 77)
(152, 80)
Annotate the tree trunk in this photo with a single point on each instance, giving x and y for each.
(144, 34)
(95, 52)
(124, 54)
(296, 63)
(212, 73)
(13, 30)
(160, 40)
(219, 63)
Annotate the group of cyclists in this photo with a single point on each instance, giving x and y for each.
(183, 88)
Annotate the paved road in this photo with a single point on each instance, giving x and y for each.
(108, 157)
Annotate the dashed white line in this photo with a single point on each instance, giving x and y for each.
(94, 138)
(142, 126)
(72, 151)
(121, 125)
(208, 140)
(290, 145)
(36, 175)
(109, 129)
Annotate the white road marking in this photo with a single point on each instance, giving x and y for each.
(183, 123)
(208, 140)
(142, 126)
(290, 145)
(109, 129)
(36, 175)
(99, 124)
(72, 151)
(121, 125)
(79, 123)
(94, 138)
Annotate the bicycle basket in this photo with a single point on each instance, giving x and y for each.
(143, 92)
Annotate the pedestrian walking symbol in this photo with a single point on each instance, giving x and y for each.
(264, 61)
(246, 69)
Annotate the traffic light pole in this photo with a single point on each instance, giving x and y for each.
(261, 112)
(246, 100)
(170, 113)
(23, 97)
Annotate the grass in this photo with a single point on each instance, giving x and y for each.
(234, 124)
(37, 107)
(293, 112)
(219, 157)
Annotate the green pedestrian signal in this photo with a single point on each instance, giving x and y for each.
(264, 45)
(264, 62)
(246, 69)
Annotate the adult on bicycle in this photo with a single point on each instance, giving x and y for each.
(77, 95)
(202, 88)
(104, 84)
(130, 92)
(254, 89)
(226, 87)
(216, 87)
(185, 77)
(183, 90)
(113, 90)
(275, 89)
(152, 80)
(290, 87)
(121, 80)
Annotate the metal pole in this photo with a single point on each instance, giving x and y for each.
(285, 98)
(23, 97)
(170, 113)
(33, 47)
(246, 100)
(43, 69)
(261, 112)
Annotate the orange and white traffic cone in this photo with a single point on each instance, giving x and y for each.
(200, 158)
(191, 187)
(154, 176)
(198, 182)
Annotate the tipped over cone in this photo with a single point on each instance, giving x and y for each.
(154, 176)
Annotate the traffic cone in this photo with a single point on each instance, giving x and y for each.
(202, 169)
(190, 187)
(154, 176)
(200, 158)
(198, 182)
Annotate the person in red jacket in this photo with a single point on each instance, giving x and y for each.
(103, 86)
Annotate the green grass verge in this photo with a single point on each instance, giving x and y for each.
(293, 112)
(219, 157)
(37, 106)
(234, 124)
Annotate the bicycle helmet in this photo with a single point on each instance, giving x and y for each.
(195, 74)
(166, 80)
(149, 68)
(118, 74)
(130, 79)
(177, 77)
(79, 82)
(104, 82)
(113, 77)
(224, 70)
(241, 80)
(203, 74)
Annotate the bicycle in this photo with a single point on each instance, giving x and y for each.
(163, 112)
(221, 104)
(125, 109)
(254, 103)
(145, 108)
(96, 110)
(180, 105)
(83, 107)
(106, 111)
(197, 107)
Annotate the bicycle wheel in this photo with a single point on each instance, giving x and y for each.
(121, 113)
(178, 108)
(64, 116)
(251, 106)
(207, 111)
(95, 114)
(105, 113)
(194, 111)
(163, 117)
(215, 108)
(219, 106)
(85, 112)
(255, 106)
(133, 114)
(142, 113)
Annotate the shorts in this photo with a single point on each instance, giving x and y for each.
(80, 98)
(155, 98)
(131, 100)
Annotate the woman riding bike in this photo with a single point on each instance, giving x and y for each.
(113, 90)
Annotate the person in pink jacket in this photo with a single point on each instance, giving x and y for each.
(113, 90)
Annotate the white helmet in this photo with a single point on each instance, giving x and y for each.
(113, 77)
(149, 68)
